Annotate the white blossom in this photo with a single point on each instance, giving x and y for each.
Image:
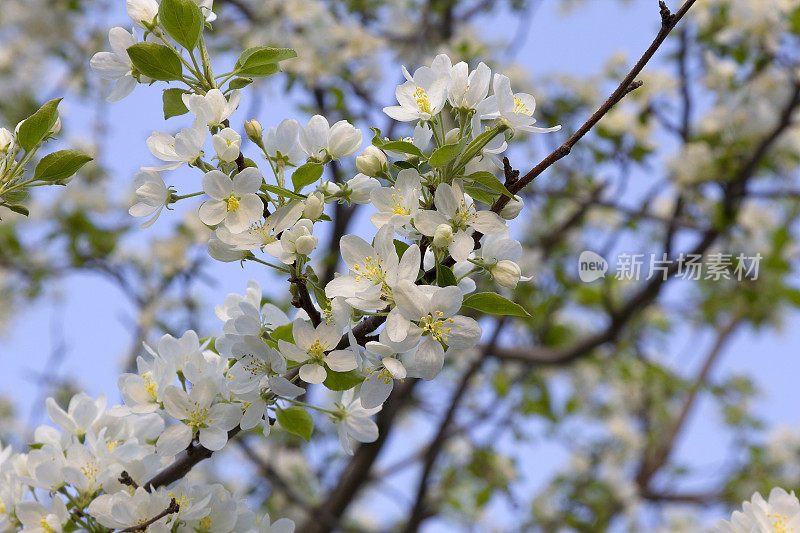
(152, 195)
(116, 65)
(233, 202)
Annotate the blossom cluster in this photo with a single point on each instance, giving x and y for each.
(398, 311)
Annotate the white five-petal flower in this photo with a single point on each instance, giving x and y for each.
(233, 202)
(315, 347)
(198, 414)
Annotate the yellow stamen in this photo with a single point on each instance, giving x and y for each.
(520, 107)
(435, 325)
(317, 351)
(233, 203)
(423, 103)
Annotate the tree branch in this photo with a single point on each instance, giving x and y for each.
(183, 463)
(173, 508)
(668, 22)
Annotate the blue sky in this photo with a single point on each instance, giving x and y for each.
(92, 314)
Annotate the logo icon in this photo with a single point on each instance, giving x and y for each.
(591, 266)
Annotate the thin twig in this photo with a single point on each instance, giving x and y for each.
(668, 22)
(173, 508)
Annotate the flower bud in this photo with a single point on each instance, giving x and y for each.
(315, 205)
(142, 12)
(305, 244)
(443, 236)
(512, 208)
(6, 140)
(451, 137)
(506, 273)
(253, 130)
(343, 139)
(372, 161)
(329, 188)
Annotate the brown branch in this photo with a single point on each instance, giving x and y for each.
(173, 508)
(183, 463)
(668, 22)
(303, 300)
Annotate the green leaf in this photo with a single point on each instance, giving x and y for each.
(156, 61)
(60, 165)
(283, 333)
(479, 142)
(173, 102)
(306, 175)
(400, 247)
(444, 154)
(21, 209)
(15, 196)
(445, 276)
(480, 194)
(183, 21)
(262, 61)
(490, 181)
(296, 420)
(342, 380)
(493, 303)
(400, 146)
(36, 127)
(280, 191)
(239, 83)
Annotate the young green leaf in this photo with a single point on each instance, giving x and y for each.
(283, 333)
(306, 175)
(173, 103)
(155, 61)
(21, 209)
(60, 165)
(444, 154)
(183, 21)
(342, 380)
(493, 303)
(296, 420)
(445, 276)
(35, 128)
(285, 193)
(479, 142)
(400, 146)
(239, 83)
(262, 61)
(400, 247)
(480, 193)
(490, 181)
